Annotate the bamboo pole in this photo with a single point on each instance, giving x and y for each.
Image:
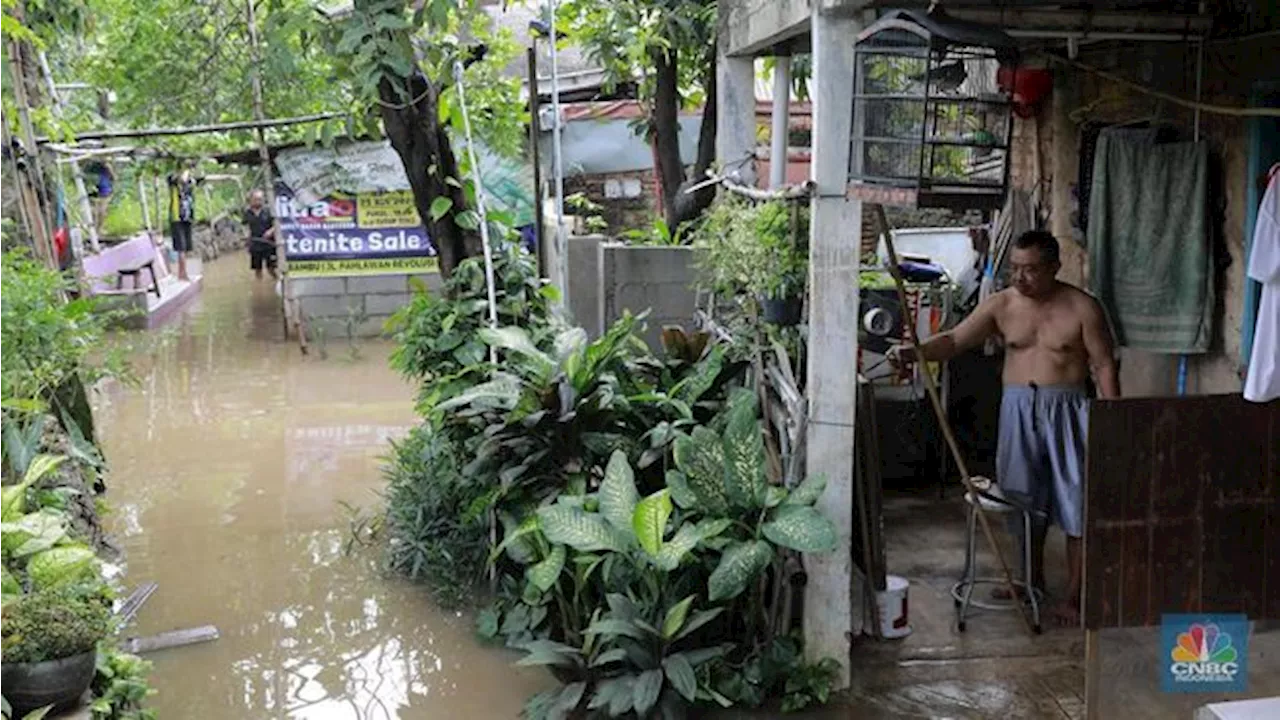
(30, 178)
(259, 124)
(932, 391)
(264, 152)
(87, 217)
(23, 210)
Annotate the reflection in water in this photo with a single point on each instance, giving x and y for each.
(230, 461)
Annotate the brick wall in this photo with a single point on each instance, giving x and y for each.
(635, 209)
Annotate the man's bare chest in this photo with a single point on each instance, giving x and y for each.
(1054, 329)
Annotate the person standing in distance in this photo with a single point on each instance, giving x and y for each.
(1056, 337)
(262, 235)
(182, 215)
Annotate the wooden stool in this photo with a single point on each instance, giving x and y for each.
(134, 272)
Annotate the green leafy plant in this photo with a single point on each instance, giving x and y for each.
(780, 229)
(627, 638)
(758, 249)
(436, 527)
(590, 212)
(777, 669)
(120, 687)
(56, 623)
(39, 714)
(659, 233)
(47, 341)
(436, 335)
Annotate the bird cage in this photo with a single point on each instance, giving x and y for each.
(931, 121)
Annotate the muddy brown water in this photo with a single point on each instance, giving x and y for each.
(230, 461)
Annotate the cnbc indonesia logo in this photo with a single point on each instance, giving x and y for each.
(1205, 655)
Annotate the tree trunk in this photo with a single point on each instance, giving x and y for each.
(679, 206)
(689, 206)
(665, 126)
(424, 147)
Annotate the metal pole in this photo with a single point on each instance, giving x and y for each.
(87, 215)
(537, 166)
(1182, 360)
(781, 115)
(146, 210)
(264, 154)
(561, 275)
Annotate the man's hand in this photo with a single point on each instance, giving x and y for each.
(900, 356)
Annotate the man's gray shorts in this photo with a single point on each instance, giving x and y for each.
(1040, 457)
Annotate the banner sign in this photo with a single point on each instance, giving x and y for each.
(347, 209)
(367, 233)
(315, 173)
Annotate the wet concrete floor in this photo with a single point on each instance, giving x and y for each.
(230, 463)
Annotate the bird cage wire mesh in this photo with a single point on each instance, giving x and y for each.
(931, 122)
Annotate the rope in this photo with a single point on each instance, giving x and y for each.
(1192, 104)
(484, 220)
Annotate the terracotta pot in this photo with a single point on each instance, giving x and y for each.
(61, 683)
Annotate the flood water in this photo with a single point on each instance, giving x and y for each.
(230, 460)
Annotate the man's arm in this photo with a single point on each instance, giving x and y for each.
(1101, 349)
(970, 333)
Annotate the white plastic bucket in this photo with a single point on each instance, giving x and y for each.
(892, 604)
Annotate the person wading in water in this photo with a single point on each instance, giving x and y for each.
(262, 235)
(1055, 336)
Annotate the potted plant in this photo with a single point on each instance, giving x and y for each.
(49, 643)
(780, 281)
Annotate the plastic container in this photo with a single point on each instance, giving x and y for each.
(892, 603)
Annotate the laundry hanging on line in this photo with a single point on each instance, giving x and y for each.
(1149, 240)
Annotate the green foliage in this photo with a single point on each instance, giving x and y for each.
(7, 711)
(624, 36)
(590, 212)
(124, 214)
(435, 534)
(45, 341)
(638, 528)
(120, 687)
(179, 63)
(759, 249)
(436, 335)
(55, 623)
(778, 669)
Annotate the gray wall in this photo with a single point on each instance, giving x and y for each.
(333, 305)
(583, 294)
(641, 277)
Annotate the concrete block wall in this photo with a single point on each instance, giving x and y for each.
(639, 277)
(583, 294)
(336, 306)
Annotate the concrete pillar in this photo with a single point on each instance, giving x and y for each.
(781, 114)
(736, 116)
(832, 608)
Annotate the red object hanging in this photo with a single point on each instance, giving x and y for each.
(61, 239)
(1029, 86)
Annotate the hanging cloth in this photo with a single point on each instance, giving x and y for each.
(1262, 383)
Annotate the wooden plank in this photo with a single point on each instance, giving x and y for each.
(1109, 461)
(1174, 518)
(171, 639)
(1092, 676)
(1182, 509)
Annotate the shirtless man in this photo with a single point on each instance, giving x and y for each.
(1054, 335)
